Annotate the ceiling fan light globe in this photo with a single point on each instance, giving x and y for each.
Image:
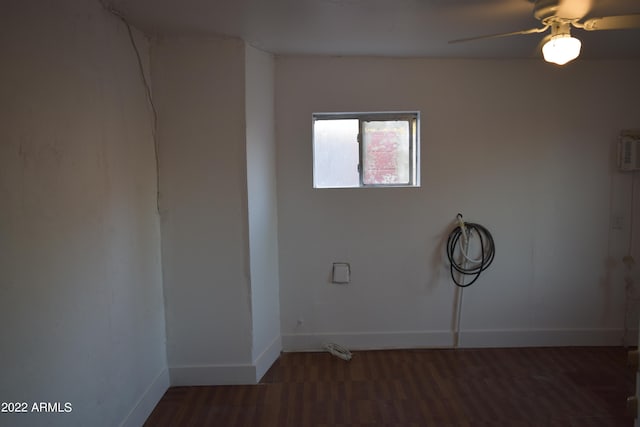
(561, 49)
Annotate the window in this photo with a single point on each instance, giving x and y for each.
(365, 150)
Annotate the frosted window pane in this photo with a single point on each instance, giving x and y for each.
(386, 155)
(335, 153)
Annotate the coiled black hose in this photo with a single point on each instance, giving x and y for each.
(487, 252)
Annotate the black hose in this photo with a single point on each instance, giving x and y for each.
(487, 250)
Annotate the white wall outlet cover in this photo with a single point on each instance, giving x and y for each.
(341, 273)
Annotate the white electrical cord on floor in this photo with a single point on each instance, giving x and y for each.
(338, 351)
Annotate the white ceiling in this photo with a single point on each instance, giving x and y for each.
(378, 27)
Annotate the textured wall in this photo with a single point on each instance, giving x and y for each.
(81, 305)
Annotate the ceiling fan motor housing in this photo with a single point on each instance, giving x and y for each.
(559, 27)
(545, 9)
(551, 11)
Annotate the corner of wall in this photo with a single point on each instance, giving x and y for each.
(267, 358)
(148, 401)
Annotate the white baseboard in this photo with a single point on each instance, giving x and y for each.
(368, 341)
(212, 375)
(252, 373)
(541, 338)
(227, 374)
(631, 338)
(264, 361)
(148, 401)
(467, 339)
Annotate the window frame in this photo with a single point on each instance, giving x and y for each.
(413, 119)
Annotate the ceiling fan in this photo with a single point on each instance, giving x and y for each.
(560, 16)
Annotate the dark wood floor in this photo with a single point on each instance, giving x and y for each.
(484, 387)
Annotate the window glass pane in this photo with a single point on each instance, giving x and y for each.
(386, 152)
(335, 153)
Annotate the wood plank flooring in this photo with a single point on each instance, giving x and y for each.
(560, 387)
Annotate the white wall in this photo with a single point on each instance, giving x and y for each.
(521, 147)
(81, 305)
(628, 186)
(262, 208)
(199, 89)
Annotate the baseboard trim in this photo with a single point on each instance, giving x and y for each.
(227, 374)
(212, 375)
(631, 338)
(252, 373)
(368, 340)
(467, 339)
(541, 338)
(264, 361)
(148, 401)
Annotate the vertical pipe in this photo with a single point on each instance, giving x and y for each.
(460, 294)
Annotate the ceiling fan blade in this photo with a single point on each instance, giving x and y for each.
(573, 9)
(495, 36)
(620, 22)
